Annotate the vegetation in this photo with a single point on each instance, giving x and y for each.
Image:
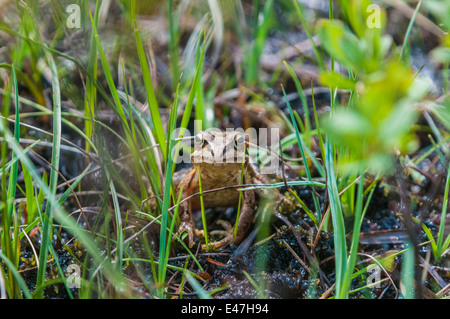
(98, 99)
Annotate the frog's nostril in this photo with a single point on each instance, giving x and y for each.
(212, 152)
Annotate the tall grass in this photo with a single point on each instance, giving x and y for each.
(439, 246)
(153, 149)
(260, 33)
(53, 180)
(91, 90)
(9, 243)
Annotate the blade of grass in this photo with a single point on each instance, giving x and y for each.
(109, 78)
(53, 180)
(151, 97)
(192, 93)
(183, 275)
(13, 269)
(240, 193)
(200, 99)
(173, 45)
(119, 225)
(308, 33)
(57, 210)
(90, 99)
(172, 226)
(434, 248)
(441, 232)
(166, 199)
(305, 160)
(340, 244)
(282, 184)
(408, 31)
(7, 242)
(359, 215)
(202, 294)
(61, 273)
(259, 290)
(71, 188)
(316, 119)
(261, 31)
(29, 195)
(202, 208)
(407, 273)
(304, 103)
(146, 136)
(68, 221)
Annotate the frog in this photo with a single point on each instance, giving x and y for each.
(220, 160)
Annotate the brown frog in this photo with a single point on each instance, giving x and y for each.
(222, 160)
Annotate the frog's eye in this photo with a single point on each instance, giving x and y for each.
(239, 140)
(198, 139)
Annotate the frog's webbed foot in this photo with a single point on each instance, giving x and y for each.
(227, 234)
(190, 230)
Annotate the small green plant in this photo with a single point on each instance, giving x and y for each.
(376, 124)
(373, 128)
(439, 247)
(149, 89)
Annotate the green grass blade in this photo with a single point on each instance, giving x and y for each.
(13, 269)
(238, 214)
(441, 232)
(316, 119)
(7, 216)
(340, 245)
(151, 97)
(359, 215)
(91, 90)
(259, 290)
(192, 93)
(407, 273)
(304, 103)
(253, 59)
(201, 123)
(53, 180)
(408, 31)
(119, 226)
(109, 78)
(434, 247)
(300, 145)
(308, 33)
(166, 199)
(202, 208)
(68, 222)
(173, 45)
(202, 294)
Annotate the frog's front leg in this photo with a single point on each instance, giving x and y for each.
(186, 220)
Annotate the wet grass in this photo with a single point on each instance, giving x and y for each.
(122, 96)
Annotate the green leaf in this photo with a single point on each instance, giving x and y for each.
(441, 54)
(342, 44)
(334, 79)
(347, 124)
